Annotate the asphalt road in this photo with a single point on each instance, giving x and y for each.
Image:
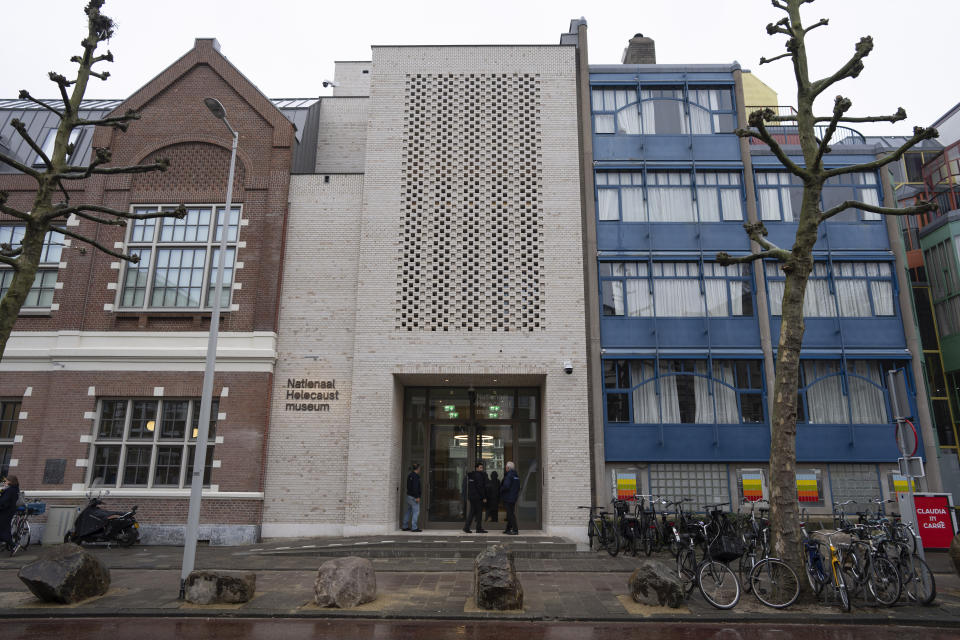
(295, 629)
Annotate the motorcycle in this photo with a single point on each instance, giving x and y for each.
(94, 524)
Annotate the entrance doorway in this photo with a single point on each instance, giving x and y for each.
(448, 430)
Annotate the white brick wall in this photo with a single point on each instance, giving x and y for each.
(341, 470)
(342, 135)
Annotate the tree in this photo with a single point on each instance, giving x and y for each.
(797, 262)
(51, 203)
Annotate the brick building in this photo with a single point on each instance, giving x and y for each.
(100, 382)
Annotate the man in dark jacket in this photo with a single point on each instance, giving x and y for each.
(477, 495)
(9, 493)
(509, 494)
(411, 512)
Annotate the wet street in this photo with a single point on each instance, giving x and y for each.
(295, 629)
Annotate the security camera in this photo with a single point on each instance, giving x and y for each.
(330, 83)
(567, 367)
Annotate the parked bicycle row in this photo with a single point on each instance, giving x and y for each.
(876, 557)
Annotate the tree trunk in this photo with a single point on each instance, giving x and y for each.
(23, 279)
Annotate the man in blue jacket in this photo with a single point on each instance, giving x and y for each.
(509, 494)
(411, 513)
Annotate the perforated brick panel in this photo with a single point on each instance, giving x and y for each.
(471, 242)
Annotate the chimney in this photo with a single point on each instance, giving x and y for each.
(640, 50)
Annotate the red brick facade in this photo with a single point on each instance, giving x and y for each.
(176, 125)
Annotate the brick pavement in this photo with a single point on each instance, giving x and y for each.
(568, 585)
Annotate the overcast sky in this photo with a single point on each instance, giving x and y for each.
(287, 47)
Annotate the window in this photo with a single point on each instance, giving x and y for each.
(852, 289)
(669, 196)
(9, 415)
(676, 289)
(780, 195)
(178, 260)
(663, 110)
(684, 391)
(831, 395)
(40, 295)
(51, 140)
(941, 260)
(142, 442)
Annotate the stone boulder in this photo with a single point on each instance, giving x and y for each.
(220, 587)
(495, 581)
(955, 553)
(66, 574)
(345, 582)
(653, 584)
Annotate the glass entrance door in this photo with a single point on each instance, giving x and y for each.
(448, 430)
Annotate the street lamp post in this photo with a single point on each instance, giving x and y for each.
(206, 398)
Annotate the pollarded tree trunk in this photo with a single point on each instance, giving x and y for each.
(23, 277)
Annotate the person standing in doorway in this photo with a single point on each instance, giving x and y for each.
(493, 497)
(509, 494)
(477, 495)
(411, 513)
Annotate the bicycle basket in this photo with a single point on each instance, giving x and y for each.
(726, 548)
(36, 508)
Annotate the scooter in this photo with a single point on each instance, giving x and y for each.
(94, 524)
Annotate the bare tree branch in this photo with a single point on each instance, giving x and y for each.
(781, 26)
(110, 252)
(756, 119)
(62, 83)
(840, 106)
(923, 207)
(119, 122)
(19, 166)
(9, 261)
(851, 69)
(25, 95)
(10, 211)
(22, 130)
(179, 212)
(774, 58)
(160, 165)
(779, 5)
(901, 114)
(726, 259)
(823, 22)
(919, 134)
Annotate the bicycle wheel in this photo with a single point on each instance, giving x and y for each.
(25, 537)
(611, 538)
(813, 565)
(656, 537)
(918, 581)
(884, 581)
(745, 567)
(774, 583)
(841, 587)
(854, 571)
(718, 584)
(593, 536)
(687, 570)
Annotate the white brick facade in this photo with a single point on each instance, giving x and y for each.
(340, 470)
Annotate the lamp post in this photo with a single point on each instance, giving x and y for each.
(206, 397)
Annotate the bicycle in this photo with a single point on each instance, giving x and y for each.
(753, 538)
(20, 525)
(626, 526)
(869, 570)
(816, 572)
(916, 578)
(716, 581)
(601, 533)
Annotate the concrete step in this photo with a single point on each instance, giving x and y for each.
(426, 546)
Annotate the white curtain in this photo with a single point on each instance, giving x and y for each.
(775, 287)
(717, 304)
(882, 297)
(708, 203)
(645, 395)
(669, 401)
(732, 203)
(699, 119)
(677, 298)
(769, 204)
(632, 202)
(628, 120)
(826, 403)
(639, 300)
(603, 123)
(868, 196)
(608, 204)
(853, 298)
(669, 197)
(613, 297)
(725, 396)
(867, 402)
(701, 391)
(647, 111)
(818, 301)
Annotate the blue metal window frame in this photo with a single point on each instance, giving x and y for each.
(685, 87)
(845, 181)
(607, 265)
(691, 172)
(832, 277)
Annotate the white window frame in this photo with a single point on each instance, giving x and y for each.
(47, 270)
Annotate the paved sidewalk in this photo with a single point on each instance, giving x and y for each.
(431, 577)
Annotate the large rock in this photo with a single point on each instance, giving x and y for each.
(653, 584)
(955, 553)
(220, 587)
(345, 582)
(495, 581)
(66, 574)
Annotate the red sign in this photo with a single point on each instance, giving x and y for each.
(934, 521)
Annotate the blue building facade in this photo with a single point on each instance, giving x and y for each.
(688, 345)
